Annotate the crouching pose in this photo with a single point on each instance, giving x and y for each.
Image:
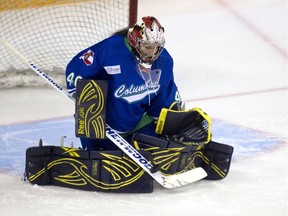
(139, 75)
(127, 82)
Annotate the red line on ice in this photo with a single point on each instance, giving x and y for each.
(237, 94)
(253, 28)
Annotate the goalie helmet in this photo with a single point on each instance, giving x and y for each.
(147, 40)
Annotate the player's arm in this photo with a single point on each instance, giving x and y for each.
(87, 64)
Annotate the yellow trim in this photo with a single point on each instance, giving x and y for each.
(136, 146)
(92, 117)
(80, 175)
(71, 151)
(208, 119)
(161, 121)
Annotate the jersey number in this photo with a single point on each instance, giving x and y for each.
(71, 80)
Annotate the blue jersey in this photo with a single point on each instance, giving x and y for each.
(131, 92)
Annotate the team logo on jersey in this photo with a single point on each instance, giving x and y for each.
(134, 93)
(88, 57)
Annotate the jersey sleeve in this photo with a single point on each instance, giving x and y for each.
(88, 64)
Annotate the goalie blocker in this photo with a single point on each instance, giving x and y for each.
(90, 109)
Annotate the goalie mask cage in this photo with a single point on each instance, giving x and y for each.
(50, 32)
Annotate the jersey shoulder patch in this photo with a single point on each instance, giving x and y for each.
(115, 69)
(88, 57)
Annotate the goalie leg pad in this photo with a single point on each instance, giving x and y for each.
(168, 156)
(171, 157)
(216, 160)
(109, 171)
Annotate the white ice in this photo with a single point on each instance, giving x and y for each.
(231, 60)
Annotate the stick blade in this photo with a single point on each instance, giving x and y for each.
(174, 181)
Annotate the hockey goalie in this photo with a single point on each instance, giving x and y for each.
(127, 82)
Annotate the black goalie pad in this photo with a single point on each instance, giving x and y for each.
(217, 160)
(172, 157)
(107, 171)
(168, 156)
(90, 112)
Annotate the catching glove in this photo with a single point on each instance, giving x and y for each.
(190, 127)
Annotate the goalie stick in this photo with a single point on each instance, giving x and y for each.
(171, 181)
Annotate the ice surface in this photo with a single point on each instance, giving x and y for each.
(229, 61)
